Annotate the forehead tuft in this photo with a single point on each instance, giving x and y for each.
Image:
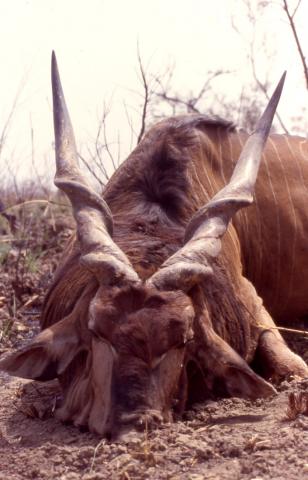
(130, 303)
(130, 298)
(137, 297)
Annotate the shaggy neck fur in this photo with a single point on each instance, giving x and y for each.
(149, 197)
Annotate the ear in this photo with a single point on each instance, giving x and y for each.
(241, 381)
(227, 372)
(48, 355)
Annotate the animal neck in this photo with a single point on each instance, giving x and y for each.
(147, 240)
(221, 309)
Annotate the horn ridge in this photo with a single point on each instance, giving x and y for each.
(208, 225)
(92, 215)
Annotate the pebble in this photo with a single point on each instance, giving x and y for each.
(181, 438)
(121, 460)
(70, 476)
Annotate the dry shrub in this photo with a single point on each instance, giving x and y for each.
(298, 405)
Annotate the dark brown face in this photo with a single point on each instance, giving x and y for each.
(141, 335)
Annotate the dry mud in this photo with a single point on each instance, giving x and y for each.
(225, 439)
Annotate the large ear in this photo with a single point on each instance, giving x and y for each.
(48, 355)
(241, 381)
(225, 371)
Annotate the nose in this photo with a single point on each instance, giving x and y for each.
(142, 420)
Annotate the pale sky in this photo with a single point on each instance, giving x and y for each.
(96, 43)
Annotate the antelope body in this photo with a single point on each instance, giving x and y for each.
(155, 302)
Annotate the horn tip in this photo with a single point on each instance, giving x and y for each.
(281, 82)
(53, 59)
(283, 77)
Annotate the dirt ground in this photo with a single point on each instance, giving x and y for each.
(225, 439)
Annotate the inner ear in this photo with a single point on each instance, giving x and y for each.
(47, 356)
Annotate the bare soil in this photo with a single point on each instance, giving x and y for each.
(227, 439)
(223, 439)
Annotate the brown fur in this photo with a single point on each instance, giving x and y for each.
(135, 345)
(150, 199)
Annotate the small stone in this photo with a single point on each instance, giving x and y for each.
(121, 449)
(204, 452)
(91, 476)
(70, 476)
(122, 459)
(181, 438)
(161, 446)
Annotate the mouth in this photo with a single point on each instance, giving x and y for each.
(135, 425)
(144, 420)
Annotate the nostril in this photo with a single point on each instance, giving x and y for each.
(142, 420)
(157, 416)
(149, 420)
(83, 428)
(109, 436)
(152, 417)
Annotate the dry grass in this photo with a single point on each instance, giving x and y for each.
(29, 255)
(298, 405)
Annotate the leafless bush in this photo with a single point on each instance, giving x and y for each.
(297, 405)
(299, 46)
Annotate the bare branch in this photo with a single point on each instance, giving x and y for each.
(38, 177)
(130, 123)
(106, 146)
(146, 97)
(296, 8)
(98, 146)
(189, 104)
(91, 170)
(119, 150)
(13, 176)
(251, 54)
(7, 123)
(264, 89)
(295, 35)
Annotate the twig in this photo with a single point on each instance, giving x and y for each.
(28, 202)
(102, 442)
(263, 87)
(91, 170)
(284, 329)
(146, 96)
(295, 35)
